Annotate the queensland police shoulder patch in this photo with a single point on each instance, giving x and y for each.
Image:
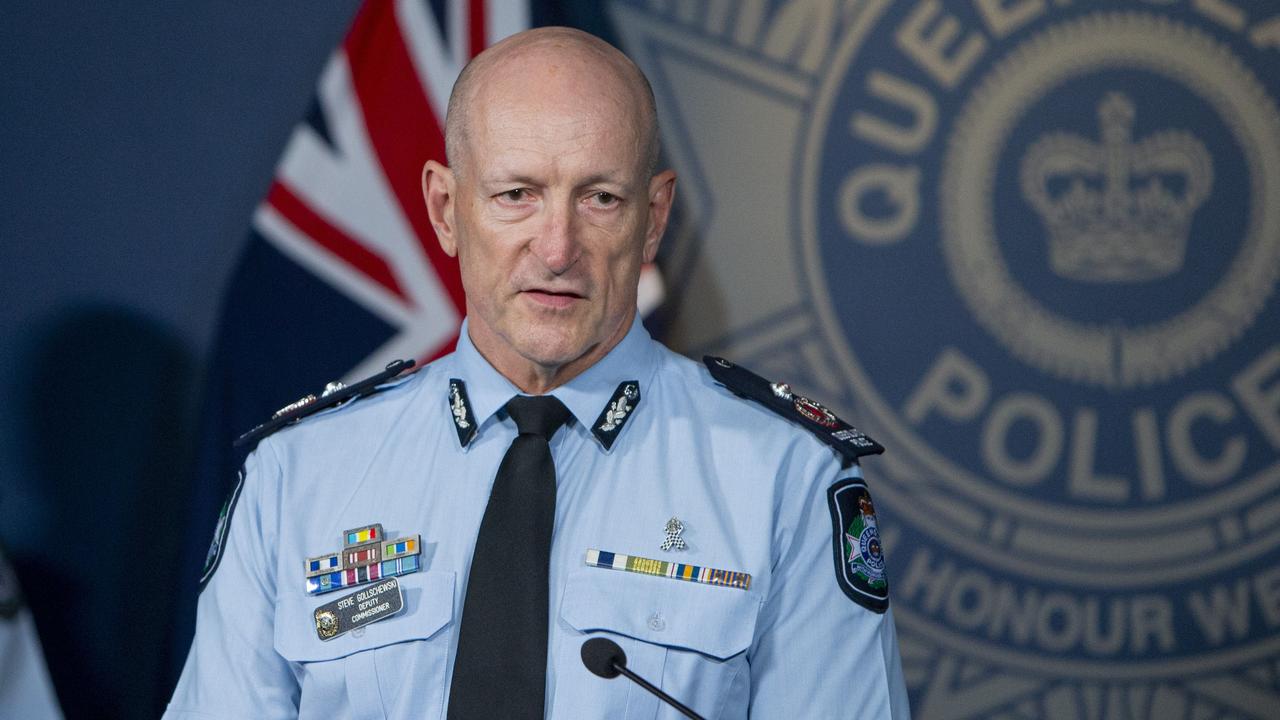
(214, 557)
(856, 545)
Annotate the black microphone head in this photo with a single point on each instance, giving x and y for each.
(603, 657)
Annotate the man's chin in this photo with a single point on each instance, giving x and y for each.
(558, 341)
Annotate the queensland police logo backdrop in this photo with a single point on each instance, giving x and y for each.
(1033, 247)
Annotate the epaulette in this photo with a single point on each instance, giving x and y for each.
(333, 393)
(849, 441)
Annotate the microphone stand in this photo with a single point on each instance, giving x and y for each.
(647, 686)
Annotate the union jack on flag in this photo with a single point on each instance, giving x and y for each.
(347, 204)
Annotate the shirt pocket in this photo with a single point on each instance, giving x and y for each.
(395, 667)
(690, 639)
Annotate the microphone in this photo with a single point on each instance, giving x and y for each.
(605, 658)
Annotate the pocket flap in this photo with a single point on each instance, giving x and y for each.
(709, 619)
(428, 607)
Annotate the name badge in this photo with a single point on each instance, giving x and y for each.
(369, 605)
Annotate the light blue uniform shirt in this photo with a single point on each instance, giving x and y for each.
(749, 487)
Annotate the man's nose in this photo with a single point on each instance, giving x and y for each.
(557, 245)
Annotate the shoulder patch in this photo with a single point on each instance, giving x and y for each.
(214, 557)
(855, 538)
(333, 394)
(809, 414)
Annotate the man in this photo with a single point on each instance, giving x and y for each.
(559, 477)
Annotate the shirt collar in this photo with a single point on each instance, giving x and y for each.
(588, 396)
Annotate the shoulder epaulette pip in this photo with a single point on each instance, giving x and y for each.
(809, 414)
(333, 394)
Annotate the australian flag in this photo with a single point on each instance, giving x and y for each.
(342, 272)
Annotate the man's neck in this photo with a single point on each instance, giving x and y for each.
(535, 379)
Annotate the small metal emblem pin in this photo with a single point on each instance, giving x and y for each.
(673, 540)
(326, 624)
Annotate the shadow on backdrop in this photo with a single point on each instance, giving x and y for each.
(106, 444)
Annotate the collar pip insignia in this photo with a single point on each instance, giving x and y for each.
(848, 440)
(366, 556)
(464, 420)
(616, 413)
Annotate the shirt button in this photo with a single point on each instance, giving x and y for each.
(358, 632)
(656, 623)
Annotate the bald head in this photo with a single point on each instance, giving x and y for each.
(527, 60)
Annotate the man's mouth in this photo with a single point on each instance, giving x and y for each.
(552, 298)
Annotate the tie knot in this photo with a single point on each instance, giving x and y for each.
(538, 415)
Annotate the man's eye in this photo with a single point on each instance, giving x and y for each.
(515, 196)
(604, 198)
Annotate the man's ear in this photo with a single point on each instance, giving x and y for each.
(662, 192)
(439, 190)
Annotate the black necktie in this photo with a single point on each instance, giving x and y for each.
(501, 667)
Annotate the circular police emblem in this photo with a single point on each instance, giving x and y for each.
(1034, 246)
(1115, 210)
(870, 559)
(866, 557)
(1043, 242)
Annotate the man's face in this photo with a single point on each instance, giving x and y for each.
(552, 214)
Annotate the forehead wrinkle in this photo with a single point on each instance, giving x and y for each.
(539, 142)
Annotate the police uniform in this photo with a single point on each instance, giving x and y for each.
(653, 439)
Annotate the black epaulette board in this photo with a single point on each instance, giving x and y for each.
(334, 394)
(847, 440)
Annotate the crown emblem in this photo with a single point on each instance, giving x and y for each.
(1117, 211)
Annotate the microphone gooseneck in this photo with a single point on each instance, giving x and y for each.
(605, 658)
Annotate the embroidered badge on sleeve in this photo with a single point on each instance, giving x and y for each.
(856, 544)
(214, 556)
